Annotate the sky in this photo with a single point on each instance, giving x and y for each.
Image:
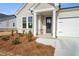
(65, 5)
(11, 8)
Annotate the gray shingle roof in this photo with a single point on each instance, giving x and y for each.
(4, 17)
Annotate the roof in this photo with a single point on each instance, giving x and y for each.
(69, 8)
(4, 17)
(33, 6)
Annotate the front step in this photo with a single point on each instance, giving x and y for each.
(47, 41)
(49, 36)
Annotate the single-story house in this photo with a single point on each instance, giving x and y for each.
(48, 20)
(7, 22)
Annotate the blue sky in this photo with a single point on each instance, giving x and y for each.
(65, 5)
(10, 8)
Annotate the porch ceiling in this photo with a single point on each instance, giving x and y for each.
(45, 13)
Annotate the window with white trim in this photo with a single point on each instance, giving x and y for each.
(13, 24)
(30, 22)
(24, 22)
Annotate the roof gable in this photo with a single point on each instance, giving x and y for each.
(24, 4)
(42, 6)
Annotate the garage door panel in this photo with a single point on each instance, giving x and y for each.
(68, 27)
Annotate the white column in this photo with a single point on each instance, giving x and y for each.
(39, 24)
(35, 24)
(54, 24)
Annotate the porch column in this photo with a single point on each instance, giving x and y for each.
(35, 24)
(54, 24)
(39, 24)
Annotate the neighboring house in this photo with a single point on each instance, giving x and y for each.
(7, 22)
(47, 19)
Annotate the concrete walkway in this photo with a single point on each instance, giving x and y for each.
(47, 41)
(63, 47)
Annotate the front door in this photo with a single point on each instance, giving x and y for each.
(48, 24)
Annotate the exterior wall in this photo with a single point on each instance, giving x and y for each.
(11, 23)
(68, 13)
(8, 24)
(23, 13)
(68, 24)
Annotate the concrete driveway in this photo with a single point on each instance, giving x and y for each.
(67, 46)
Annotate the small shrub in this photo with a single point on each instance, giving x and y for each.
(26, 34)
(16, 31)
(30, 36)
(38, 45)
(20, 34)
(0, 37)
(12, 32)
(30, 40)
(5, 38)
(16, 41)
(23, 31)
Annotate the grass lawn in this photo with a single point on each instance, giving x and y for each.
(21, 44)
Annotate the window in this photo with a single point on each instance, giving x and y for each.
(24, 22)
(13, 24)
(30, 22)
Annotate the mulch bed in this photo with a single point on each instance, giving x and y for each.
(25, 48)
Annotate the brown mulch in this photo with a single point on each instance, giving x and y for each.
(25, 48)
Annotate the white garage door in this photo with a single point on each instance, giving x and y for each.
(68, 27)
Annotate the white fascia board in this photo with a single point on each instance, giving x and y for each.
(24, 4)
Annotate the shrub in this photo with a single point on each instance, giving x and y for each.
(5, 38)
(12, 32)
(23, 31)
(20, 34)
(30, 36)
(30, 40)
(38, 45)
(0, 37)
(16, 31)
(16, 41)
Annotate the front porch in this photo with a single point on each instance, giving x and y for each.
(45, 23)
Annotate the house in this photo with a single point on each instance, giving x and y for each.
(48, 20)
(7, 22)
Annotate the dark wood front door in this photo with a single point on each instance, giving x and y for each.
(48, 24)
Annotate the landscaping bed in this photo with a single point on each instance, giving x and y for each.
(21, 44)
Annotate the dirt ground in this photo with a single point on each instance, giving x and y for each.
(25, 48)
(4, 33)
